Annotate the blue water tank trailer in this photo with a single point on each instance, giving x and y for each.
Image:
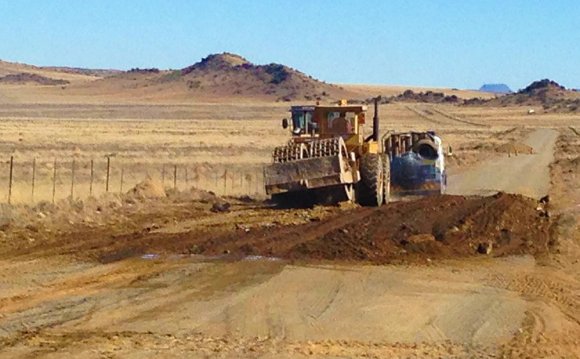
(417, 163)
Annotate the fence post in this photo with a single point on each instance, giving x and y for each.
(174, 177)
(196, 179)
(108, 173)
(54, 182)
(33, 178)
(92, 178)
(258, 180)
(10, 179)
(72, 180)
(186, 178)
(122, 175)
(226, 182)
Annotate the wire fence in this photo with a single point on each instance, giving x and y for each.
(35, 180)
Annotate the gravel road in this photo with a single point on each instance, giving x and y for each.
(526, 174)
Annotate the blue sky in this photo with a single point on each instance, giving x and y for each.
(460, 43)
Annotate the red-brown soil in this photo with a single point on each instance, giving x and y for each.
(413, 231)
(433, 227)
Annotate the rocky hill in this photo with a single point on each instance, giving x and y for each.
(552, 96)
(547, 93)
(223, 76)
(232, 75)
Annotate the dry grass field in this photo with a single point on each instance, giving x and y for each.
(123, 276)
(219, 147)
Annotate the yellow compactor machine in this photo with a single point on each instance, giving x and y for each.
(329, 159)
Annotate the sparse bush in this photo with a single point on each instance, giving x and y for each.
(194, 84)
(278, 72)
(137, 70)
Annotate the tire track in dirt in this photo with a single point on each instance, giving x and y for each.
(284, 238)
(457, 119)
(136, 344)
(542, 286)
(534, 341)
(433, 115)
(423, 115)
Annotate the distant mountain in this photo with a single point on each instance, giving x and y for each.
(552, 96)
(541, 86)
(496, 88)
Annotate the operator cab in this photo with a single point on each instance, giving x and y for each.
(303, 121)
(326, 121)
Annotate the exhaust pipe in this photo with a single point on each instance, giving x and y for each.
(375, 136)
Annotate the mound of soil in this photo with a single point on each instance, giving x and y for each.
(149, 188)
(515, 148)
(194, 195)
(449, 226)
(429, 228)
(402, 232)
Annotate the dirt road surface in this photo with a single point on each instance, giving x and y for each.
(526, 174)
(146, 306)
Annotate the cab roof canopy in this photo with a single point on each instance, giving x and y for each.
(345, 108)
(330, 108)
(302, 108)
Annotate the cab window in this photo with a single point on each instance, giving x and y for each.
(341, 122)
(303, 122)
(298, 120)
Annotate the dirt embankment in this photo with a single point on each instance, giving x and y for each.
(416, 231)
(434, 227)
(565, 176)
(565, 170)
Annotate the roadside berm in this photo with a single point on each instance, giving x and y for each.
(428, 228)
(418, 231)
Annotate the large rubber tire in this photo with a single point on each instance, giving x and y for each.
(386, 178)
(370, 187)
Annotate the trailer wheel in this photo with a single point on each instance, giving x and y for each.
(370, 189)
